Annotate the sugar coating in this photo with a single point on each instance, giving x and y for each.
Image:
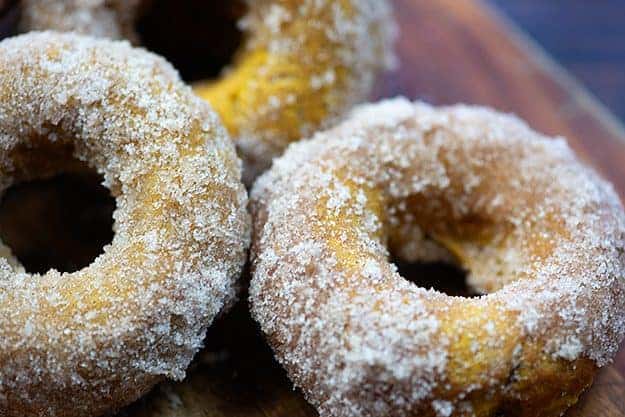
(542, 236)
(89, 342)
(303, 64)
(101, 18)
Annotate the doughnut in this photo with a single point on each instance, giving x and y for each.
(542, 236)
(88, 342)
(301, 66)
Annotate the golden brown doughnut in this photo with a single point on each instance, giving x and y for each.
(542, 236)
(89, 342)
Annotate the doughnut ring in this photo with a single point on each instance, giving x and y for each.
(302, 64)
(89, 342)
(542, 236)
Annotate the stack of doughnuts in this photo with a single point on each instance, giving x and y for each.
(541, 236)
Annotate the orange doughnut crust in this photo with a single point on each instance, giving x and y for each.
(540, 234)
(89, 342)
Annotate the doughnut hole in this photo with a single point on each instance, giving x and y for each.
(445, 277)
(9, 16)
(199, 38)
(424, 260)
(59, 217)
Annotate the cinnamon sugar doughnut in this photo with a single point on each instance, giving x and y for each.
(89, 342)
(302, 65)
(539, 232)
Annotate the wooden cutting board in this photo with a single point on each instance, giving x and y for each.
(450, 51)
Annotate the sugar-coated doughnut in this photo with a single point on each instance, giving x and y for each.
(540, 234)
(302, 65)
(89, 342)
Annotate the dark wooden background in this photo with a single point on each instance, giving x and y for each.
(587, 37)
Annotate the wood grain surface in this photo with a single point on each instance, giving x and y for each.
(587, 40)
(450, 51)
